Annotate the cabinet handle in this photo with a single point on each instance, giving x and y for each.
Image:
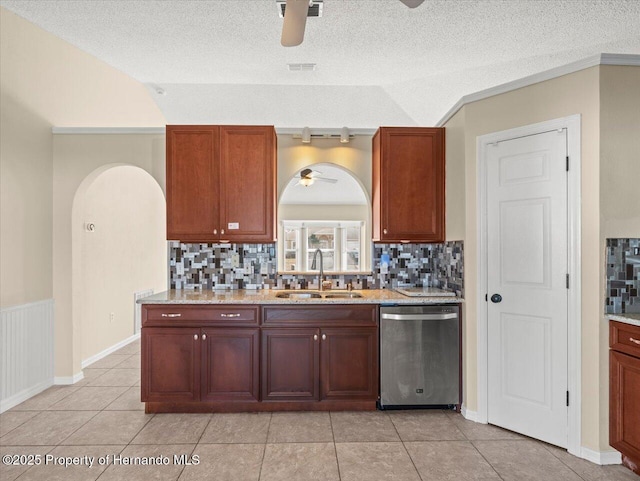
(324, 337)
(195, 337)
(384, 231)
(204, 337)
(229, 315)
(221, 231)
(171, 315)
(315, 337)
(215, 231)
(635, 341)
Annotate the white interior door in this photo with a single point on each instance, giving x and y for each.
(527, 285)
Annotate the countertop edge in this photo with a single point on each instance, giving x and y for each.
(625, 318)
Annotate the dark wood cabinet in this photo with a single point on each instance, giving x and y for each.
(170, 364)
(221, 183)
(349, 363)
(290, 364)
(321, 353)
(201, 358)
(230, 364)
(624, 392)
(408, 189)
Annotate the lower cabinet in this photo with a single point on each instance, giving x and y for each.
(226, 359)
(338, 363)
(190, 364)
(624, 394)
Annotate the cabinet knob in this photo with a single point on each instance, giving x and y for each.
(315, 337)
(384, 231)
(195, 337)
(204, 337)
(215, 231)
(221, 231)
(324, 337)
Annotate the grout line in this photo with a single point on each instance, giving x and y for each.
(335, 448)
(544, 445)
(264, 448)
(483, 456)
(405, 448)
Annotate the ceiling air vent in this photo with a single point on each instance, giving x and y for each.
(301, 67)
(315, 8)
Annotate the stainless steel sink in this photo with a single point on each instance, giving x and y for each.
(299, 295)
(342, 295)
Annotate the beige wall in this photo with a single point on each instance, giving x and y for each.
(76, 157)
(608, 100)
(126, 253)
(47, 82)
(619, 186)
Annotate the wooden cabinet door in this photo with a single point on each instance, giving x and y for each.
(192, 182)
(230, 364)
(248, 179)
(624, 404)
(349, 363)
(290, 364)
(408, 185)
(170, 364)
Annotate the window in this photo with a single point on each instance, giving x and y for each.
(339, 242)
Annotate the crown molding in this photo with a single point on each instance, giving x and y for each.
(107, 130)
(600, 59)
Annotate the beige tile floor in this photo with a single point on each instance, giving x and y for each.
(102, 416)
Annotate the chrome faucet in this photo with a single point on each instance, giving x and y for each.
(313, 266)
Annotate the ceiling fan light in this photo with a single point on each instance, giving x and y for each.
(344, 135)
(306, 181)
(306, 135)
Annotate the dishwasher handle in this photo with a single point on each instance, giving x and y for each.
(419, 317)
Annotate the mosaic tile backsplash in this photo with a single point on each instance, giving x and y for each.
(623, 276)
(254, 266)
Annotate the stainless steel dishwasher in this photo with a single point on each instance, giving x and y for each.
(419, 356)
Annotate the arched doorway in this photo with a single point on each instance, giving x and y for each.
(118, 248)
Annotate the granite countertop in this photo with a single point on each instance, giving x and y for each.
(268, 296)
(633, 319)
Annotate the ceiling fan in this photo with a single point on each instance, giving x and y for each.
(295, 20)
(308, 177)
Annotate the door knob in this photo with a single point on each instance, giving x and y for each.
(496, 298)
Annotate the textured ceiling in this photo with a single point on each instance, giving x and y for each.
(221, 61)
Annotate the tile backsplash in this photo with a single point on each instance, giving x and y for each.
(623, 276)
(254, 266)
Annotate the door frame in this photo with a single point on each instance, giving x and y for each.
(574, 331)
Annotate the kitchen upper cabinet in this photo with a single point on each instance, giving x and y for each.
(221, 183)
(408, 187)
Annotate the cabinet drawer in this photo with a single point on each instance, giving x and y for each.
(321, 315)
(624, 338)
(194, 315)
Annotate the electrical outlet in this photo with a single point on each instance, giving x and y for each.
(112, 316)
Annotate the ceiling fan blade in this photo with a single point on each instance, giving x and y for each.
(295, 20)
(306, 173)
(409, 3)
(324, 179)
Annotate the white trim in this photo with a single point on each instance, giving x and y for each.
(600, 59)
(66, 380)
(601, 457)
(574, 353)
(467, 414)
(107, 130)
(109, 350)
(6, 404)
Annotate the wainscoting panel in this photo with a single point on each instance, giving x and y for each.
(26, 350)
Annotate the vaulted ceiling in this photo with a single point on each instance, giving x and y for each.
(377, 61)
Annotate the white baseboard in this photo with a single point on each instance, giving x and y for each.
(601, 457)
(109, 350)
(470, 415)
(6, 404)
(66, 380)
